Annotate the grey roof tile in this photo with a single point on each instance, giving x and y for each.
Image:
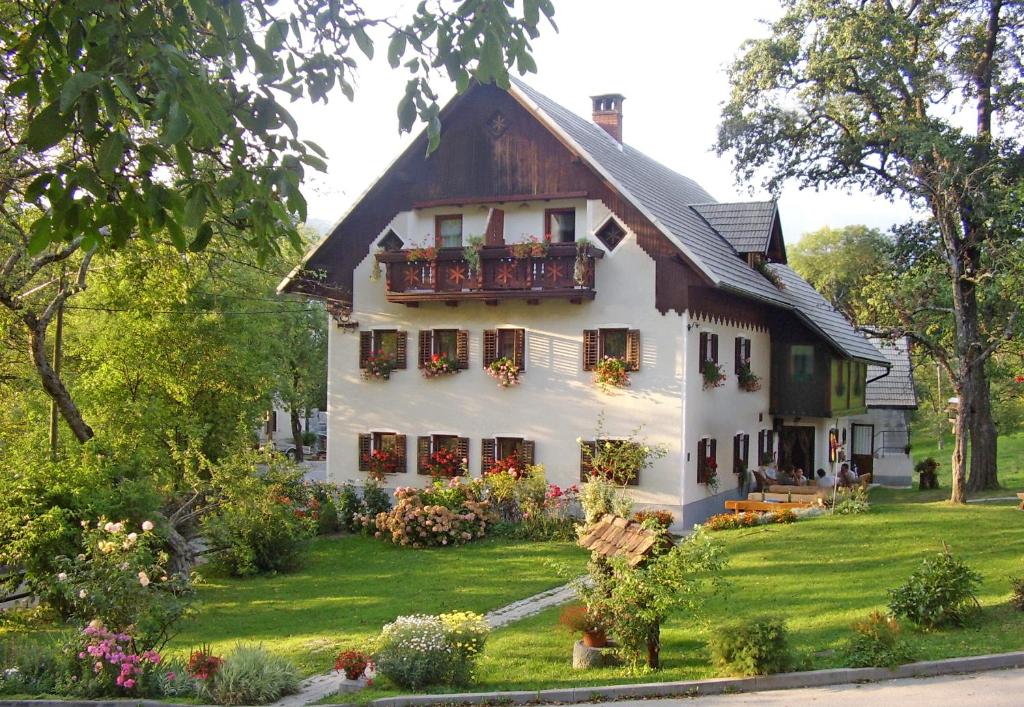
(746, 225)
(895, 390)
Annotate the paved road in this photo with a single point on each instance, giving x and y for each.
(315, 471)
(999, 688)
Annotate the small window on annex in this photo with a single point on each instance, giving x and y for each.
(612, 343)
(560, 225)
(507, 446)
(801, 363)
(449, 231)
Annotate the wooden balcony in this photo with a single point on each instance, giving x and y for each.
(502, 274)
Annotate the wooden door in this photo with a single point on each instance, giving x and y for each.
(862, 448)
(796, 447)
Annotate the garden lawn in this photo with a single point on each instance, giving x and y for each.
(351, 586)
(818, 575)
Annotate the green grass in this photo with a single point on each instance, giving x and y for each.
(351, 586)
(819, 576)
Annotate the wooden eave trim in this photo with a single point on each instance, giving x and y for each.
(459, 296)
(497, 199)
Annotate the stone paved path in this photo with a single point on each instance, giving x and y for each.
(320, 686)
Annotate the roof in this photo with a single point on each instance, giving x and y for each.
(674, 203)
(746, 225)
(895, 390)
(615, 536)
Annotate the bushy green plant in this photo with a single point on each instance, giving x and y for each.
(419, 650)
(853, 503)
(32, 665)
(529, 507)
(328, 522)
(349, 505)
(262, 523)
(173, 680)
(877, 642)
(121, 579)
(252, 676)
(375, 499)
(941, 592)
(1017, 585)
(599, 496)
(619, 460)
(756, 647)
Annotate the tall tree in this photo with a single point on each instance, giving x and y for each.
(839, 261)
(125, 120)
(872, 94)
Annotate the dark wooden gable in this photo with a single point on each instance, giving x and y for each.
(492, 150)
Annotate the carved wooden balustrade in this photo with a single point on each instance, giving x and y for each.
(557, 271)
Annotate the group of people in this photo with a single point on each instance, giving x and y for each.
(790, 475)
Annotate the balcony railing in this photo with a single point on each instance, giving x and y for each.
(559, 270)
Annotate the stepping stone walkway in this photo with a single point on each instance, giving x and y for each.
(320, 686)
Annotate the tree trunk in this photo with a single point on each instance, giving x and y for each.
(958, 462)
(984, 473)
(654, 646)
(297, 433)
(52, 383)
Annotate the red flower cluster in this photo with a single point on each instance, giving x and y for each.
(381, 462)
(663, 518)
(445, 463)
(509, 465)
(378, 365)
(556, 491)
(352, 663)
(439, 365)
(202, 664)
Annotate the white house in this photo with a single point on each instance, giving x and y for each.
(643, 264)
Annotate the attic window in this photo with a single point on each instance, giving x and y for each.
(391, 241)
(611, 234)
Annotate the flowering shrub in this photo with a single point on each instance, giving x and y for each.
(504, 371)
(748, 519)
(353, 664)
(382, 462)
(378, 366)
(414, 651)
(510, 465)
(109, 663)
(711, 473)
(532, 246)
(600, 496)
(442, 514)
(203, 665)
(662, 519)
(421, 253)
(439, 365)
(713, 375)
(120, 579)
(611, 372)
(747, 379)
(445, 463)
(621, 460)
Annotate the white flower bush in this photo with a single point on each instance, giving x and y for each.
(421, 649)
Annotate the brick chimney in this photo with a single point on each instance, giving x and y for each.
(608, 113)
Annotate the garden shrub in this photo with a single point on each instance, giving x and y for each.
(252, 676)
(32, 665)
(853, 503)
(419, 650)
(323, 507)
(107, 663)
(350, 505)
(755, 647)
(173, 679)
(749, 519)
(444, 513)
(262, 523)
(941, 592)
(877, 643)
(529, 506)
(661, 519)
(599, 496)
(1017, 585)
(375, 499)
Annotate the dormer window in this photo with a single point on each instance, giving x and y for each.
(449, 231)
(560, 225)
(610, 234)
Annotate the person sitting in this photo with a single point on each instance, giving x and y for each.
(771, 474)
(847, 477)
(786, 475)
(798, 477)
(825, 481)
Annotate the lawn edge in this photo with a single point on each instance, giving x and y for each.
(714, 686)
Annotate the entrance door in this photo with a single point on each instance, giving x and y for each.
(796, 447)
(863, 448)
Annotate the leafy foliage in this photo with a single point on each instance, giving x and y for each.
(251, 675)
(940, 593)
(419, 650)
(1017, 598)
(753, 647)
(877, 643)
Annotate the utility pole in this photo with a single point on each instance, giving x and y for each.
(58, 353)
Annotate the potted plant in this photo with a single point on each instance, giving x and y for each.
(419, 253)
(439, 365)
(381, 462)
(510, 465)
(445, 463)
(378, 366)
(611, 372)
(928, 478)
(530, 247)
(593, 629)
(504, 371)
(356, 666)
(749, 381)
(471, 253)
(580, 268)
(713, 375)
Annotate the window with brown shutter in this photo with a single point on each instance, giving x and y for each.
(382, 441)
(740, 452)
(519, 348)
(462, 449)
(490, 346)
(528, 452)
(400, 445)
(706, 450)
(586, 468)
(507, 446)
(426, 346)
(400, 349)
(487, 454)
(742, 352)
(590, 349)
(633, 350)
(765, 447)
(365, 347)
(423, 455)
(708, 349)
(364, 451)
(462, 349)
(386, 342)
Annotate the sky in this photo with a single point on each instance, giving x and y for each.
(668, 58)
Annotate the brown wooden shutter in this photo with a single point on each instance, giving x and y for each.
(365, 347)
(426, 346)
(520, 349)
(714, 347)
(590, 346)
(462, 348)
(365, 444)
(703, 358)
(422, 455)
(462, 450)
(400, 444)
(739, 353)
(771, 443)
(736, 444)
(528, 452)
(746, 450)
(585, 466)
(401, 345)
(490, 346)
(486, 454)
(633, 350)
(702, 455)
(746, 349)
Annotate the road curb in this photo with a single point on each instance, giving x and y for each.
(714, 686)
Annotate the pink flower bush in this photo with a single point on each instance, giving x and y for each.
(110, 663)
(445, 513)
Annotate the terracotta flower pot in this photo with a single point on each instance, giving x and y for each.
(595, 639)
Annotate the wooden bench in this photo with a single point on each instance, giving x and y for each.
(1021, 497)
(785, 488)
(763, 506)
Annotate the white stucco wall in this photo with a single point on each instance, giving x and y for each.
(556, 401)
(891, 467)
